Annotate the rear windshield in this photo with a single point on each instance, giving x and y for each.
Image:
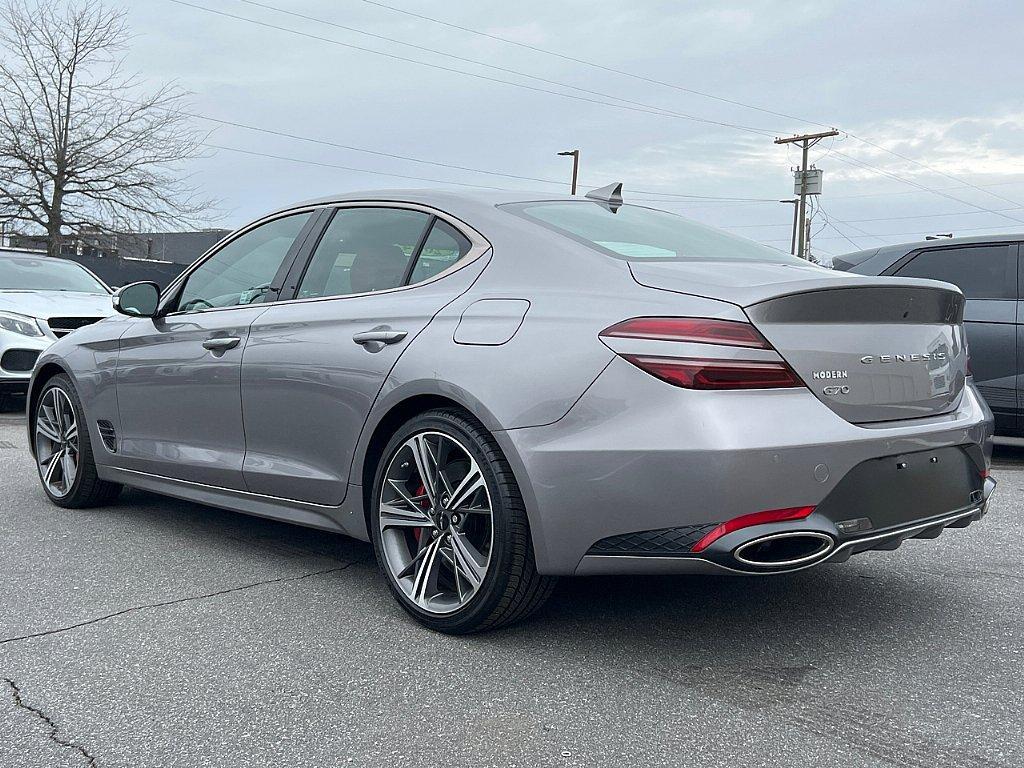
(635, 233)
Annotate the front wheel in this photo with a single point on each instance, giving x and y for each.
(449, 527)
(63, 451)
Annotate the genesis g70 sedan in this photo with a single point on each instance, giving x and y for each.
(497, 389)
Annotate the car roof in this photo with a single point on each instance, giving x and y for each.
(466, 204)
(26, 253)
(943, 242)
(437, 197)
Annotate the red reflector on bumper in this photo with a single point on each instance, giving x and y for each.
(755, 518)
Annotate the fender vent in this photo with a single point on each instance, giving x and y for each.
(108, 435)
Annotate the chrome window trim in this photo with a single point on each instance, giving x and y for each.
(479, 245)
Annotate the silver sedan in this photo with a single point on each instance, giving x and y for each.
(499, 389)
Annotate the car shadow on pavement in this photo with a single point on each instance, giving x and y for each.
(840, 606)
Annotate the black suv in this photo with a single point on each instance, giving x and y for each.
(987, 270)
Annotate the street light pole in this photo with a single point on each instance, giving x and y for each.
(575, 153)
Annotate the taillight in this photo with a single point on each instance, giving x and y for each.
(701, 372)
(717, 374)
(700, 330)
(755, 518)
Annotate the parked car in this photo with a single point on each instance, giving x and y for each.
(987, 270)
(41, 300)
(498, 388)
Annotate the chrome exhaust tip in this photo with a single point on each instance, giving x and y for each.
(785, 550)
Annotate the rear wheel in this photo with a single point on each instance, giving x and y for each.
(64, 456)
(449, 527)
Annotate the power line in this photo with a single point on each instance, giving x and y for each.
(322, 164)
(647, 109)
(642, 108)
(933, 170)
(477, 62)
(890, 218)
(594, 64)
(898, 234)
(650, 111)
(854, 161)
(675, 86)
(914, 192)
(682, 197)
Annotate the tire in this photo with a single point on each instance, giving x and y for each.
(87, 489)
(511, 589)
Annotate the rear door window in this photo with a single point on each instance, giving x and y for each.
(981, 272)
(364, 250)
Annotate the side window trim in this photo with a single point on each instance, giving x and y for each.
(424, 236)
(479, 245)
(1018, 252)
(298, 262)
(296, 247)
(902, 261)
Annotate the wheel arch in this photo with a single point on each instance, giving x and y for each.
(402, 404)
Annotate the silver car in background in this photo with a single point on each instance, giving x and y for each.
(41, 300)
(497, 389)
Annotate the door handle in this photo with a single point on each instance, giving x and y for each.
(222, 344)
(379, 336)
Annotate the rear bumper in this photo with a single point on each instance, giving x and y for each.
(841, 551)
(636, 456)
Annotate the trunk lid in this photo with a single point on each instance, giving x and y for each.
(871, 349)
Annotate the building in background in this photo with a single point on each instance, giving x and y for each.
(121, 258)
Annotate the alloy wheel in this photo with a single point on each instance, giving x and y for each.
(57, 442)
(436, 523)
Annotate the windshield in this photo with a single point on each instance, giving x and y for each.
(46, 274)
(635, 233)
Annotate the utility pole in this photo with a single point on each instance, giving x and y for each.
(806, 141)
(795, 202)
(575, 154)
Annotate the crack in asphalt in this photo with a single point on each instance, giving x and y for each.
(177, 601)
(53, 734)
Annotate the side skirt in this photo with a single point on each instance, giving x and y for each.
(347, 518)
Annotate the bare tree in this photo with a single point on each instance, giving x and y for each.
(80, 147)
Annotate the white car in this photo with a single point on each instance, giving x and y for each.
(41, 300)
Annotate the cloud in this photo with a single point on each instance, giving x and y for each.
(987, 147)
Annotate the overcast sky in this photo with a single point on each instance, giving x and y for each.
(936, 81)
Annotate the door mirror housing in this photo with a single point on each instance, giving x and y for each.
(137, 299)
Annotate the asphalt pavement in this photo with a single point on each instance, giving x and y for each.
(160, 633)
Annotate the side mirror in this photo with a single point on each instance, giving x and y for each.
(137, 299)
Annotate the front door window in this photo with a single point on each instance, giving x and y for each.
(243, 271)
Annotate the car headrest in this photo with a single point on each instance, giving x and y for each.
(377, 268)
